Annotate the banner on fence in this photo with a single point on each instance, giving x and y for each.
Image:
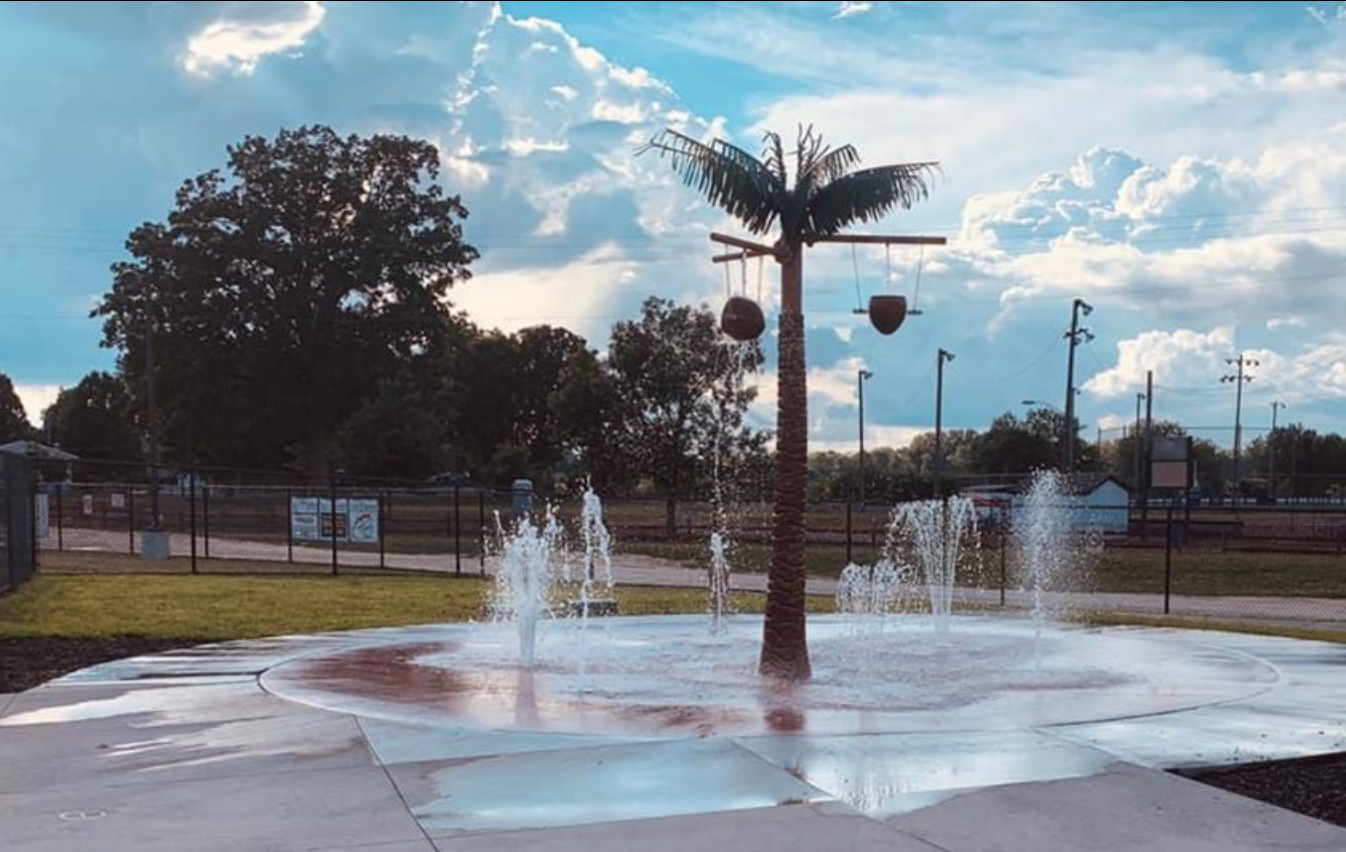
(356, 520)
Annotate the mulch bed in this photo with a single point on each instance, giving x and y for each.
(1313, 786)
(25, 663)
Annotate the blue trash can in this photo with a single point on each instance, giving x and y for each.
(521, 496)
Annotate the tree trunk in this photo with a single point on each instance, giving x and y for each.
(785, 652)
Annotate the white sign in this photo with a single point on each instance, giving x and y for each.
(118, 500)
(86, 504)
(1094, 540)
(42, 515)
(356, 520)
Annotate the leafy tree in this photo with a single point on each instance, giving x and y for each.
(682, 384)
(282, 290)
(1014, 446)
(95, 419)
(825, 193)
(14, 425)
(394, 434)
(593, 417)
(542, 355)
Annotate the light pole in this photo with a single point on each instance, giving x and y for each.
(1074, 335)
(1238, 378)
(1276, 406)
(941, 358)
(860, 377)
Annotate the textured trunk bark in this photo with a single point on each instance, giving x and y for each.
(785, 651)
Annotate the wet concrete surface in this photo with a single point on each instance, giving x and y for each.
(195, 750)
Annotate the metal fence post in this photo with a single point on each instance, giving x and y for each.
(849, 560)
(1004, 546)
(481, 530)
(289, 525)
(332, 494)
(205, 517)
(1168, 557)
(457, 537)
(131, 521)
(191, 509)
(382, 499)
(60, 517)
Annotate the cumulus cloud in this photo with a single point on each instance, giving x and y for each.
(1183, 357)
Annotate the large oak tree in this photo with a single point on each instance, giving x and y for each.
(283, 288)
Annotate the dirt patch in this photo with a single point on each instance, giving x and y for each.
(26, 663)
(1313, 786)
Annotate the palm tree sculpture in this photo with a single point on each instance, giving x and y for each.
(827, 195)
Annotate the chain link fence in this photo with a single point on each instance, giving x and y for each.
(1277, 562)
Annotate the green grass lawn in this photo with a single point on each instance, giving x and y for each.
(236, 607)
(200, 608)
(1196, 570)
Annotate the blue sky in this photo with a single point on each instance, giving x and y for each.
(1181, 166)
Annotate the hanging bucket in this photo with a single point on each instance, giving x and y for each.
(742, 319)
(887, 312)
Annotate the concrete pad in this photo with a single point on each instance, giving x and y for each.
(136, 733)
(827, 826)
(577, 786)
(1124, 808)
(247, 658)
(887, 774)
(283, 812)
(1234, 733)
(397, 742)
(6, 698)
(112, 752)
(410, 846)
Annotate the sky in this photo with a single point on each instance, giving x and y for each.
(1182, 167)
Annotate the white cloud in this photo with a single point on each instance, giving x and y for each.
(581, 295)
(239, 45)
(1180, 358)
(35, 399)
(525, 147)
(851, 8)
(1276, 323)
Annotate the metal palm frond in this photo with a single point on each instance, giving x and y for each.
(867, 195)
(728, 177)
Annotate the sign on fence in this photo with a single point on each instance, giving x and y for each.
(1094, 540)
(356, 520)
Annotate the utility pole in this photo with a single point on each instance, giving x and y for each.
(860, 377)
(1076, 332)
(1238, 378)
(1276, 405)
(941, 358)
(1145, 454)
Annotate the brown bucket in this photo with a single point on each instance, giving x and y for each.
(742, 319)
(887, 312)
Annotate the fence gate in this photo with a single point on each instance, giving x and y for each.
(17, 551)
